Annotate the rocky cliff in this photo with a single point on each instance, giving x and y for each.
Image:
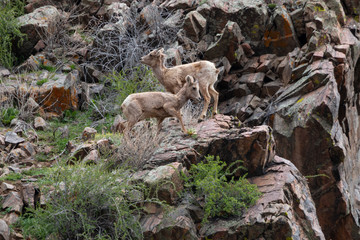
(289, 107)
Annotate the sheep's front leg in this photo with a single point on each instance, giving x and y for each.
(159, 124)
(172, 112)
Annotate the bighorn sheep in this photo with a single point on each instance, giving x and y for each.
(174, 78)
(160, 105)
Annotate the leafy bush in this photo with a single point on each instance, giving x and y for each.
(9, 29)
(222, 197)
(87, 203)
(8, 114)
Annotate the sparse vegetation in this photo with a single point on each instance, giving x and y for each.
(140, 147)
(223, 194)
(9, 30)
(48, 68)
(11, 177)
(87, 203)
(123, 47)
(135, 80)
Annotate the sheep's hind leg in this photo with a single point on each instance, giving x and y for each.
(215, 95)
(206, 97)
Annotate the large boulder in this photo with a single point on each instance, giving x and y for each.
(221, 137)
(227, 45)
(37, 25)
(194, 26)
(251, 16)
(57, 96)
(282, 212)
(4, 230)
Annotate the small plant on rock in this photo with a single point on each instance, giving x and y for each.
(8, 114)
(222, 197)
(42, 81)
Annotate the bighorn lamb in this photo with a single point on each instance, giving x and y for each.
(174, 78)
(160, 105)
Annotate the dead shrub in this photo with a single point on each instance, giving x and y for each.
(136, 151)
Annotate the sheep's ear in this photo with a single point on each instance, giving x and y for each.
(188, 79)
(161, 50)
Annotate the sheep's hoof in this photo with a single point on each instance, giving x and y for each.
(200, 120)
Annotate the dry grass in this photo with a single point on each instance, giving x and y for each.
(122, 47)
(136, 151)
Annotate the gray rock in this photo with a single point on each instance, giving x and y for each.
(35, 24)
(4, 230)
(39, 123)
(227, 44)
(88, 133)
(14, 202)
(6, 186)
(13, 138)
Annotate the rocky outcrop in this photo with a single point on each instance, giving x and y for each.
(285, 209)
(36, 25)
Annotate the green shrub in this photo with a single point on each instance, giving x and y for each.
(9, 30)
(87, 203)
(8, 114)
(48, 68)
(134, 80)
(12, 177)
(222, 197)
(42, 81)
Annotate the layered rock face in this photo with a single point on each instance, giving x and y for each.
(285, 210)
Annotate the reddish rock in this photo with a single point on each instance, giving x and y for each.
(342, 48)
(177, 224)
(247, 49)
(58, 96)
(340, 57)
(280, 37)
(285, 204)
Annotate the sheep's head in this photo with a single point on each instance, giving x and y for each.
(192, 88)
(154, 58)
